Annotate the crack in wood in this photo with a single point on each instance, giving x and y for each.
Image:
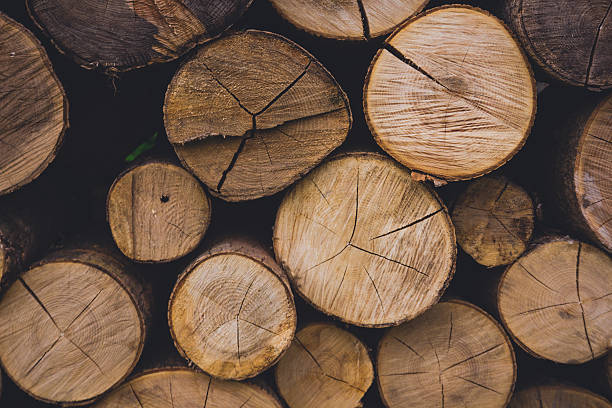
(586, 332)
(375, 288)
(260, 327)
(207, 391)
(43, 356)
(478, 384)
(136, 396)
(405, 373)
(226, 89)
(364, 20)
(284, 91)
(388, 259)
(328, 259)
(37, 299)
(537, 309)
(170, 386)
(595, 42)
(339, 286)
(356, 208)
(408, 347)
(535, 278)
(450, 332)
(473, 357)
(344, 382)
(426, 217)
(83, 311)
(501, 193)
(86, 355)
(246, 402)
(318, 189)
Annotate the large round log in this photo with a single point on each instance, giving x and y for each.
(557, 396)
(119, 35)
(33, 107)
(73, 326)
(252, 112)
(451, 94)
(556, 301)
(362, 241)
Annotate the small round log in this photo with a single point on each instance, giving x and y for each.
(569, 39)
(557, 396)
(252, 112)
(555, 301)
(231, 311)
(33, 107)
(362, 241)
(119, 35)
(451, 94)
(73, 326)
(494, 220)
(325, 367)
(157, 212)
(348, 19)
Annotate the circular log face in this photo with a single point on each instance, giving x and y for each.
(450, 94)
(364, 242)
(157, 212)
(125, 34)
(325, 367)
(454, 355)
(70, 332)
(494, 220)
(185, 388)
(557, 396)
(348, 19)
(592, 175)
(252, 112)
(33, 112)
(556, 302)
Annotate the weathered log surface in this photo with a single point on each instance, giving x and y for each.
(557, 396)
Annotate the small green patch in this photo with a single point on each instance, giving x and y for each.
(143, 147)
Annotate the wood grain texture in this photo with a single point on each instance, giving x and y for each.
(325, 367)
(494, 220)
(556, 301)
(174, 387)
(348, 19)
(119, 35)
(362, 241)
(450, 94)
(73, 326)
(552, 396)
(570, 39)
(252, 112)
(33, 107)
(454, 355)
(231, 311)
(157, 212)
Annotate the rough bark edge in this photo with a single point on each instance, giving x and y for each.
(518, 147)
(570, 387)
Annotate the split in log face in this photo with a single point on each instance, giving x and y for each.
(364, 242)
(348, 19)
(556, 301)
(157, 212)
(252, 112)
(569, 39)
(119, 35)
(557, 396)
(494, 221)
(454, 355)
(186, 388)
(232, 311)
(325, 367)
(73, 326)
(34, 108)
(451, 94)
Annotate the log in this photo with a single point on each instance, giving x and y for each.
(348, 19)
(122, 35)
(557, 396)
(249, 124)
(494, 220)
(570, 40)
(325, 367)
(450, 94)
(157, 212)
(34, 107)
(555, 301)
(231, 311)
(73, 326)
(361, 241)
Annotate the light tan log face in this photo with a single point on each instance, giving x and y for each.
(556, 301)
(362, 241)
(557, 396)
(185, 388)
(252, 112)
(33, 107)
(450, 94)
(157, 212)
(494, 220)
(325, 367)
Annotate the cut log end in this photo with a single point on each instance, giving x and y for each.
(249, 124)
(325, 367)
(358, 227)
(71, 329)
(557, 396)
(231, 312)
(34, 112)
(456, 107)
(494, 221)
(556, 301)
(157, 212)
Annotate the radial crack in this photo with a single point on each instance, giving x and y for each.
(37, 299)
(309, 353)
(375, 288)
(84, 309)
(328, 259)
(512, 234)
(249, 135)
(318, 189)
(364, 20)
(472, 357)
(586, 332)
(170, 386)
(246, 402)
(501, 193)
(478, 384)
(339, 286)
(136, 396)
(43, 356)
(405, 373)
(344, 381)
(594, 48)
(86, 355)
(408, 347)
(535, 278)
(260, 327)
(388, 259)
(537, 309)
(356, 207)
(450, 332)
(226, 89)
(284, 91)
(207, 391)
(409, 224)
